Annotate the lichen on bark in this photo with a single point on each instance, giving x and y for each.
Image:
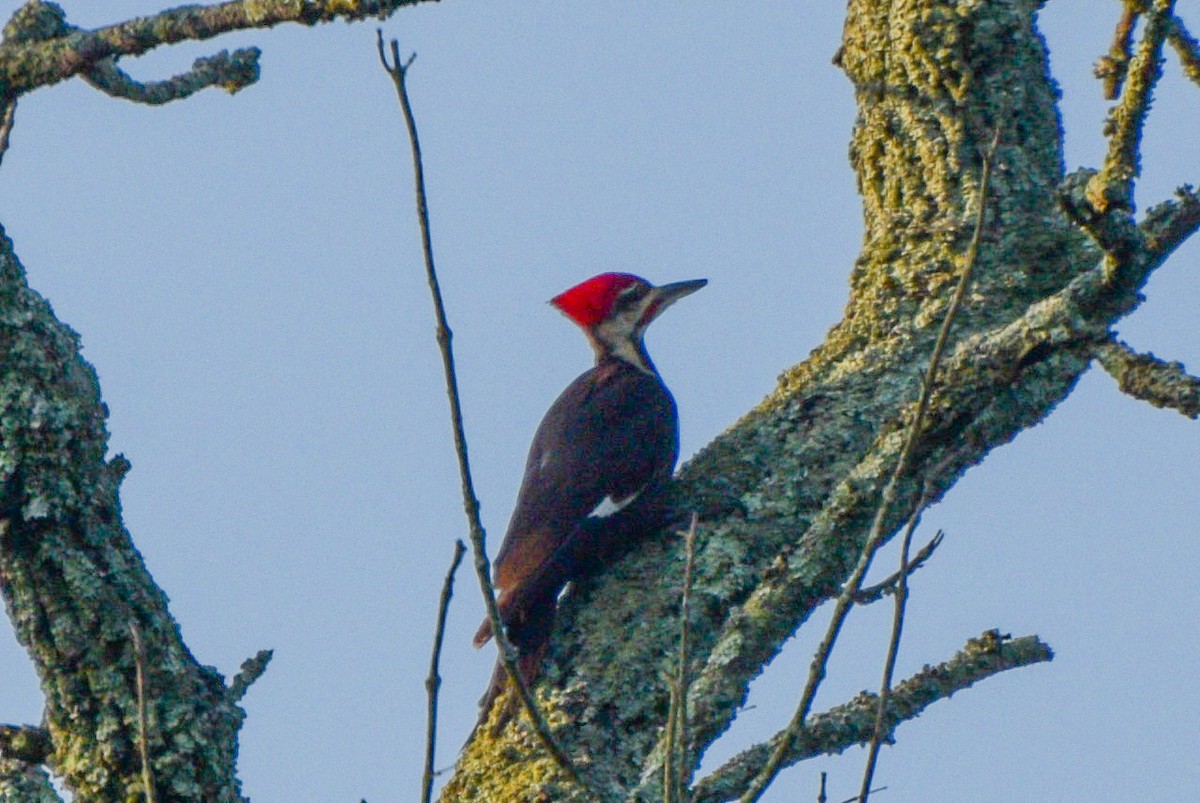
(73, 582)
(934, 81)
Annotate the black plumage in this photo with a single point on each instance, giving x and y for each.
(596, 471)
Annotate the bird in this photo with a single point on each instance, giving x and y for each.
(600, 462)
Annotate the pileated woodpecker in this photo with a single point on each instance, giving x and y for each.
(597, 467)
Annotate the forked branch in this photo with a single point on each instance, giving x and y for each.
(851, 724)
(35, 62)
(846, 598)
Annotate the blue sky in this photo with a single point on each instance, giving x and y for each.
(245, 273)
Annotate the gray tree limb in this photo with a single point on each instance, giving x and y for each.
(852, 724)
(73, 584)
(1062, 259)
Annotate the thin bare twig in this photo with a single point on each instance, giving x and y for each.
(821, 798)
(889, 665)
(926, 392)
(676, 772)
(850, 589)
(856, 798)
(434, 681)
(850, 723)
(888, 585)
(139, 653)
(398, 70)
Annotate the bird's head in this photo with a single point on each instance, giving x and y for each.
(614, 310)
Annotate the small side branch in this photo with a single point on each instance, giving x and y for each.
(1112, 187)
(7, 118)
(852, 723)
(251, 670)
(1111, 68)
(28, 65)
(231, 72)
(880, 732)
(1187, 48)
(508, 654)
(676, 767)
(845, 599)
(434, 681)
(889, 585)
(1167, 225)
(1185, 45)
(1146, 377)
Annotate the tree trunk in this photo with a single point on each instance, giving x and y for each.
(787, 495)
(799, 477)
(75, 586)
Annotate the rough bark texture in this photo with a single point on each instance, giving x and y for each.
(73, 582)
(789, 491)
(933, 81)
(24, 783)
(74, 586)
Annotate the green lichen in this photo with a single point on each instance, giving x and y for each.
(934, 82)
(73, 583)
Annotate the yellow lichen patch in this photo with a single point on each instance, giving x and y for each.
(534, 775)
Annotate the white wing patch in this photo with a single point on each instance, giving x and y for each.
(609, 506)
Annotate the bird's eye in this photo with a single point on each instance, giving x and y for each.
(630, 296)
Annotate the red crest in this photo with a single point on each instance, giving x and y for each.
(589, 302)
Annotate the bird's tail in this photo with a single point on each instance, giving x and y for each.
(529, 631)
(530, 666)
(483, 635)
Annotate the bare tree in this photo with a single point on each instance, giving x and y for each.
(787, 497)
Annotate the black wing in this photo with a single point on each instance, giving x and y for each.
(609, 435)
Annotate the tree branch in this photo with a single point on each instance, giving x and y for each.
(250, 671)
(890, 584)
(232, 73)
(1112, 187)
(806, 465)
(8, 112)
(143, 742)
(887, 497)
(852, 723)
(72, 580)
(880, 733)
(28, 65)
(1185, 45)
(1169, 224)
(1146, 377)
(677, 762)
(1112, 67)
(434, 681)
(507, 653)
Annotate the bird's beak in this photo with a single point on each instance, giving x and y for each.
(668, 294)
